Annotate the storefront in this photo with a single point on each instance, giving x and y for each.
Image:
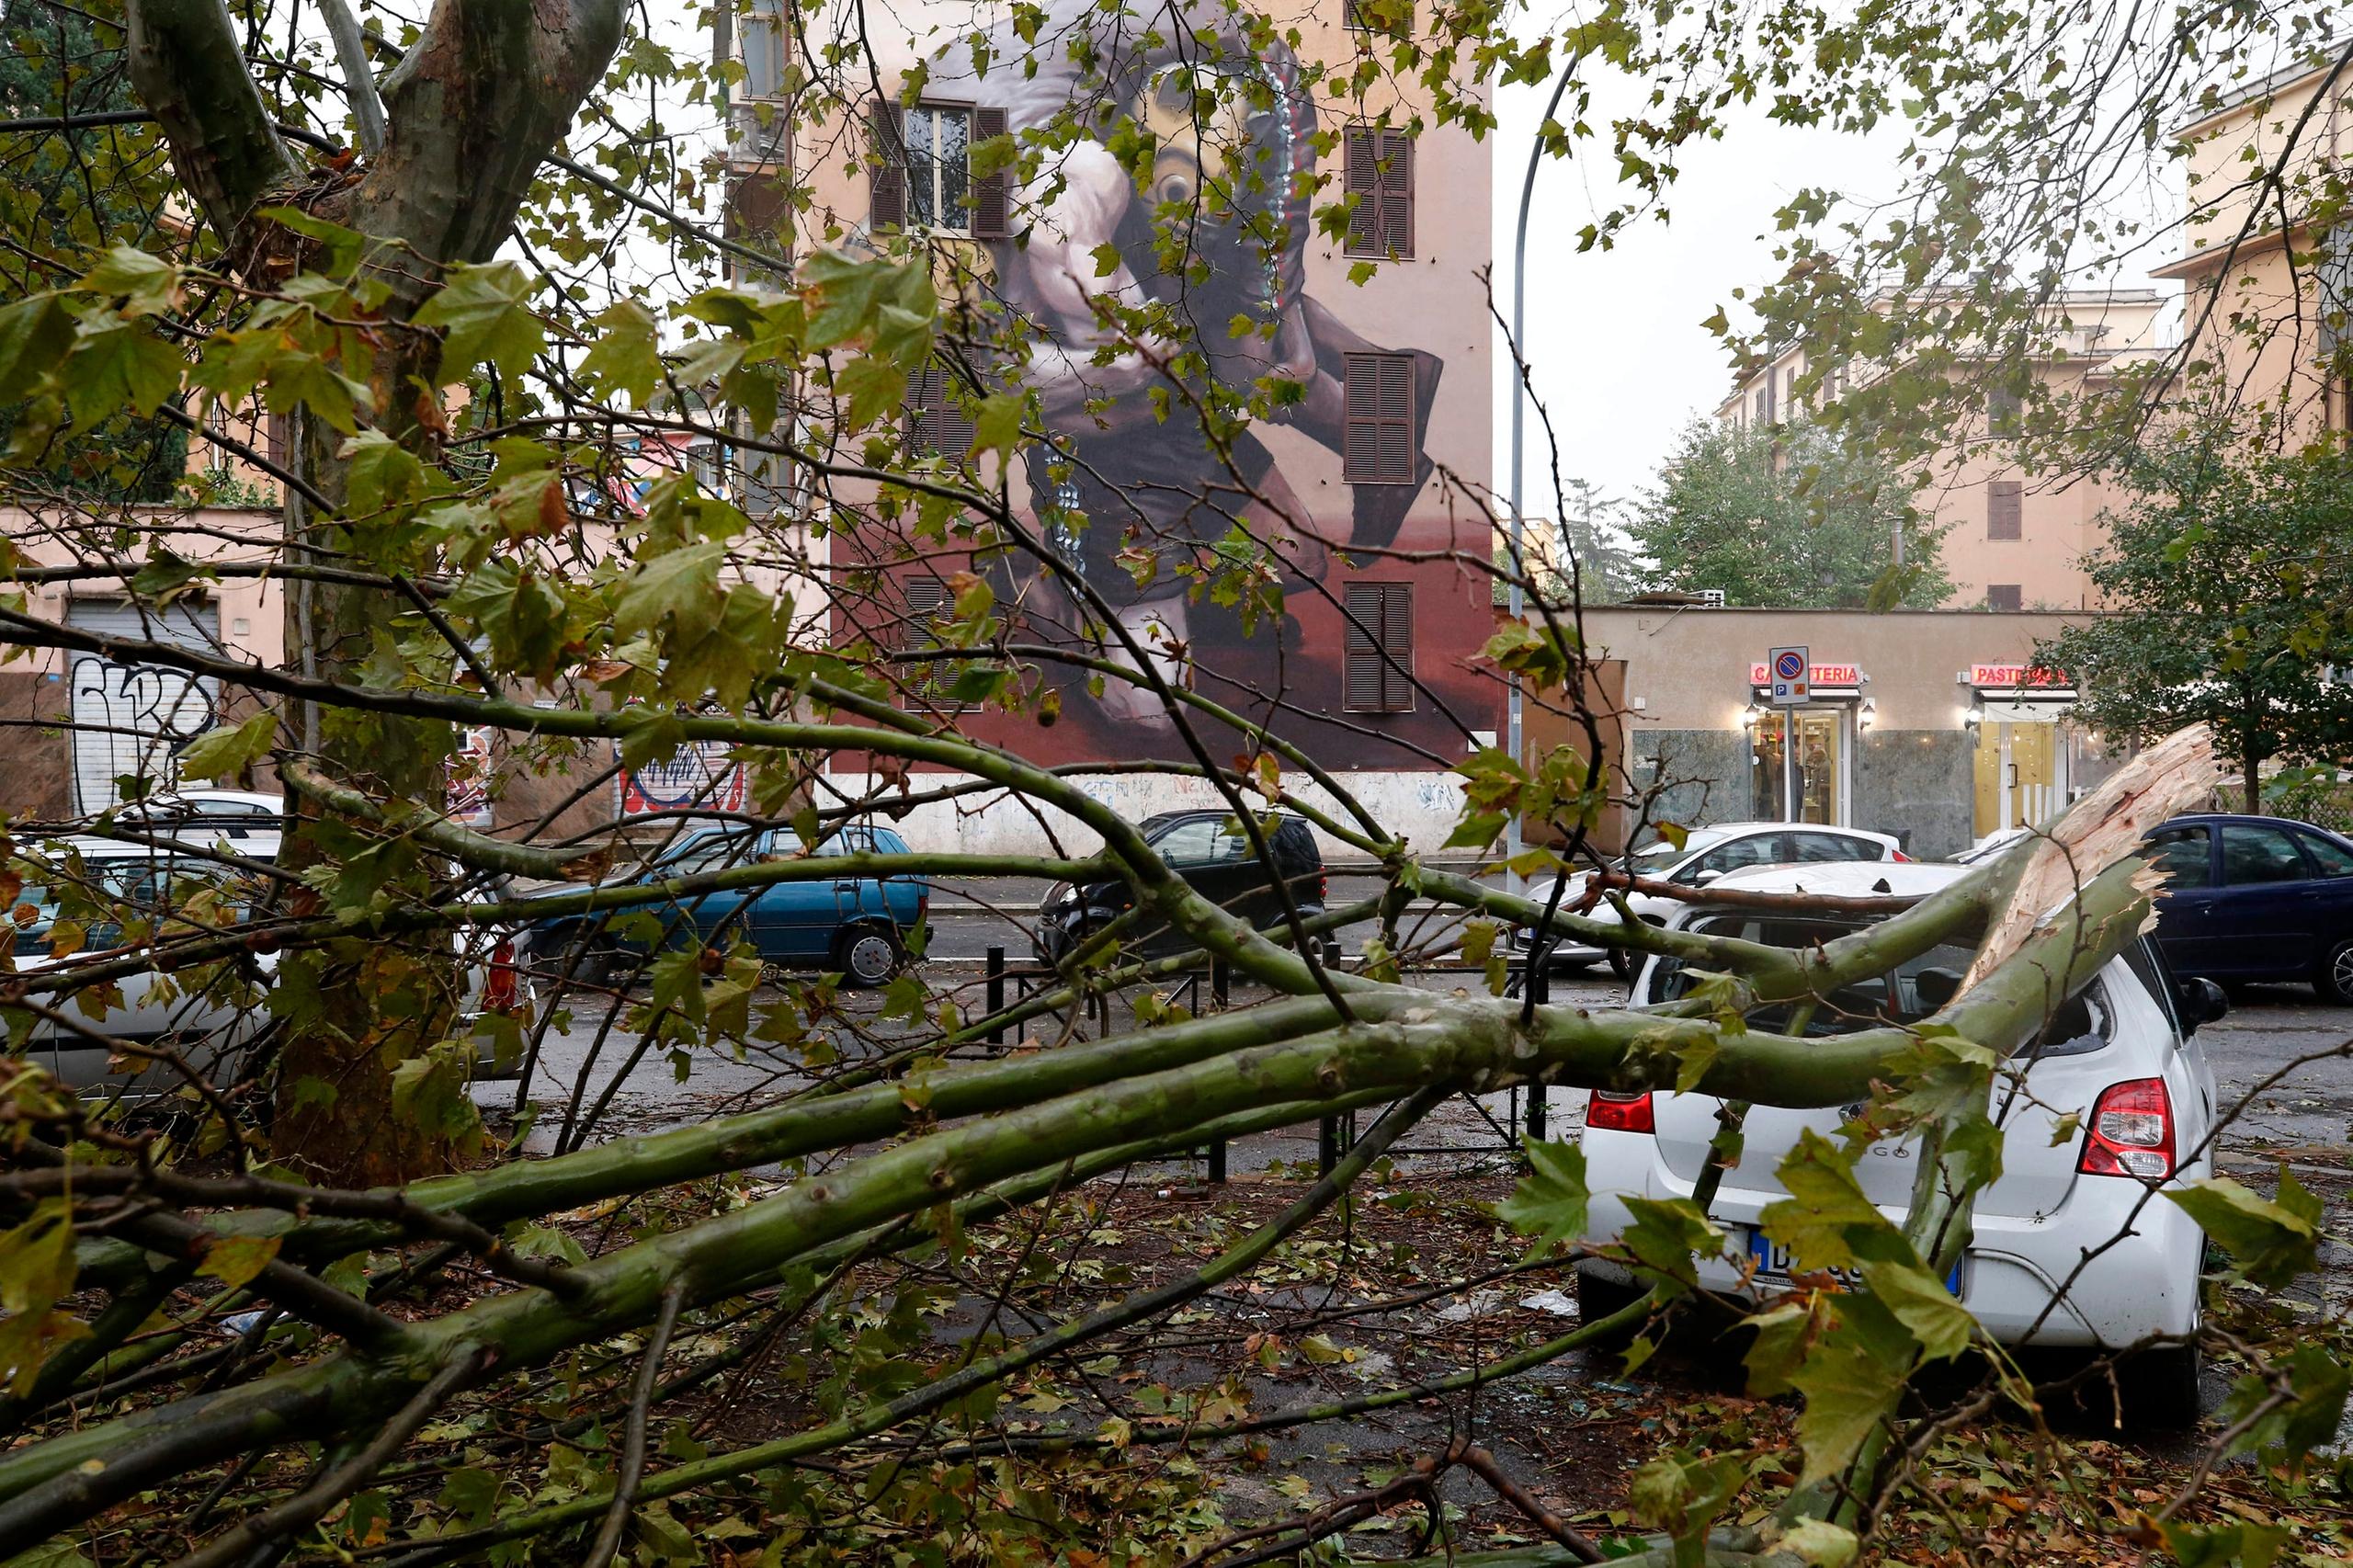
(1934, 726)
(2032, 760)
(1805, 754)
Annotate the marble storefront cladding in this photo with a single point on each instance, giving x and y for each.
(1916, 784)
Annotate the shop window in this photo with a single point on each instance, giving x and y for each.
(1815, 767)
(2005, 596)
(1380, 175)
(2005, 510)
(1377, 674)
(1379, 397)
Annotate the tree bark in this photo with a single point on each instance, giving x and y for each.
(486, 92)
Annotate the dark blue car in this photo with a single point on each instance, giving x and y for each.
(852, 923)
(2257, 898)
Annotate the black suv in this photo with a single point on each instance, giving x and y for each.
(1210, 849)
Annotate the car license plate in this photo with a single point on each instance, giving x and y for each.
(1774, 1265)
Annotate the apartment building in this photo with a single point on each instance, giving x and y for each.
(2267, 294)
(1357, 492)
(2013, 540)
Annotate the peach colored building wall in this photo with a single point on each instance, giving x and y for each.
(2252, 271)
(2059, 519)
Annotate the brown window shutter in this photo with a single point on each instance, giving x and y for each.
(1360, 177)
(923, 400)
(991, 214)
(2005, 505)
(2004, 595)
(1379, 393)
(1397, 193)
(1377, 667)
(928, 602)
(887, 175)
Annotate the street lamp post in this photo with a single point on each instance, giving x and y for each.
(1514, 738)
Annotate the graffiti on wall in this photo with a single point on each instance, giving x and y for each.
(133, 720)
(699, 777)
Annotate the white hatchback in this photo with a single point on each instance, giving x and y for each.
(2121, 1056)
(1705, 854)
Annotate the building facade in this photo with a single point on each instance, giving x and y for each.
(2012, 540)
(1934, 726)
(1358, 490)
(2267, 295)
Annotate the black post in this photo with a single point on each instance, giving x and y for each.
(996, 992)
(1540, 988)
(1217, 1161)
(1221, 981)
(1327, 1145)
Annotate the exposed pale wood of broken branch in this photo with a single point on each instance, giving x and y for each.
(2174, 775)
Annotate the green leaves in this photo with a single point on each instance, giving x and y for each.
(2221, 1546)
(37, 1270)
(1681, 1492)
(2272, 1242)
(627, 355)
(227, 750)
(1920, 1301)
(2287, 1432)
(34, 333)
(484, 311)
(1825, 1211)
(116, 363)
(1549, 1202)
(148, 285)
(237, 1260)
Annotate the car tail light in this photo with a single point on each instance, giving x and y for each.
(502, 987)
(1322, 888)
(2131, 1131)
(1899, 856)
(923, 901)
(1611, 1112)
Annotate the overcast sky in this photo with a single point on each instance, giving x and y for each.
(1620, 358)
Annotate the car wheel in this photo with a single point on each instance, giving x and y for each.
(1621, 964)
(869, 955)
(2161, 1388)
(2334, 980)
(1598, 1297)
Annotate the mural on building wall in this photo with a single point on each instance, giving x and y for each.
(697, 777)
(1217, 232)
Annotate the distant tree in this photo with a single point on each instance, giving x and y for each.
(84, 187)
(1591, 534)
(1788, 517)
(2226, 597)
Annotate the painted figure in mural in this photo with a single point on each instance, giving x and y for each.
(1218, 235)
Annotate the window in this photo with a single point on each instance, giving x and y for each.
(937, 424)
(929, 603)
(2255, 856)
(1380, 446)
(1757, 849)
(2004, 507)
(1380, 175)
(1376, 673)
(763, 51)
(2330, 858)
(2004, 595)
(2181, 854)
(922, 172)
(1809, 848)
(2001, 409)
(1196, 841)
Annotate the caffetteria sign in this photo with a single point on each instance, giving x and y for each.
(1817, 674)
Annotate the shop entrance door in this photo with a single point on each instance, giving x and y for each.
(2019, 769)
(1820, 775)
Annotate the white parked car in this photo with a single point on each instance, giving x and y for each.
(97, 879)
(1705, 854)
(2121, 1055)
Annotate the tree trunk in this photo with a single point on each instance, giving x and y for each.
(486, 93)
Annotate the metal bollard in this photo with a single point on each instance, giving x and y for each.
(1220, 982)
(1539, 990)
(1217, 1163)
(996, 993)
(1327, 1145)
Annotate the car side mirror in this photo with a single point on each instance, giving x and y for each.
(2202, 1002)
(1704, 877)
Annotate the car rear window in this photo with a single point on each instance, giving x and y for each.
(1916, 989)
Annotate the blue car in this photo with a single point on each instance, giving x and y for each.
(855, 925)
(2257, 898)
